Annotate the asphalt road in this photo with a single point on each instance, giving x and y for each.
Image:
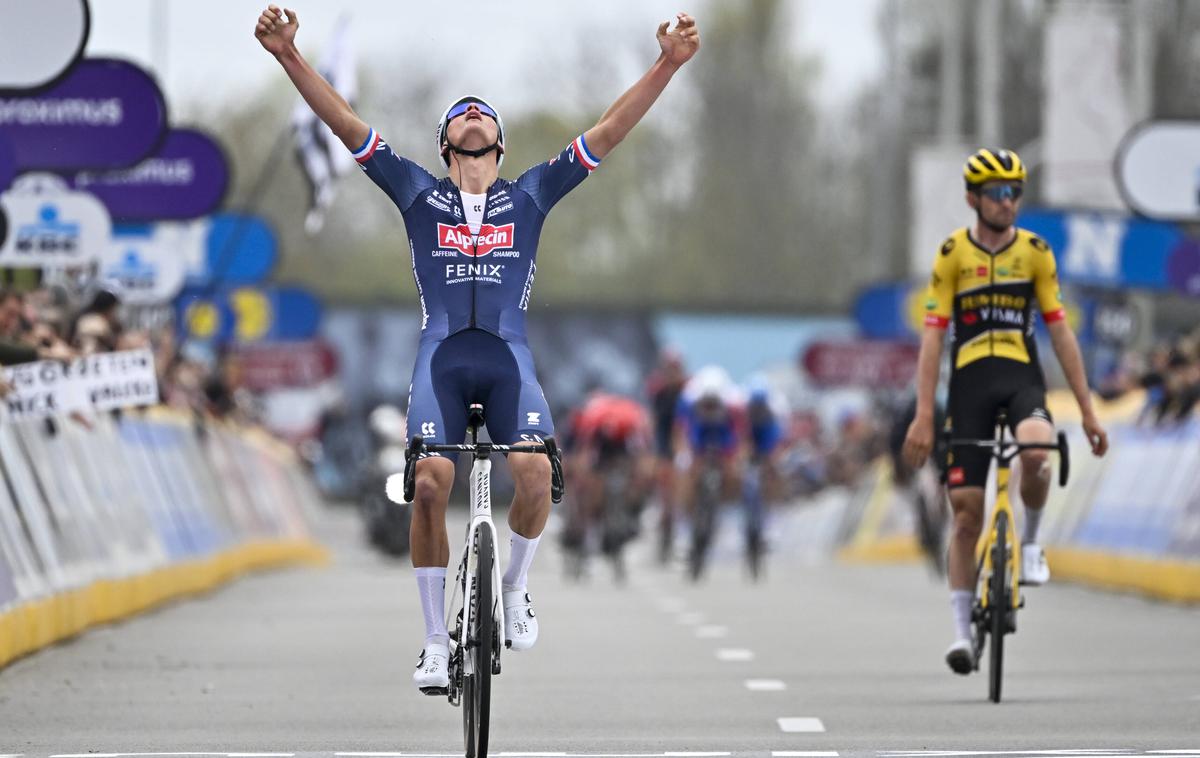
(318, 661)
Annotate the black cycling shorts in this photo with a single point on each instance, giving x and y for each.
(978, 392)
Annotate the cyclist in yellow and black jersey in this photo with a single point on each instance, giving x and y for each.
(991, 296)
(986, 281)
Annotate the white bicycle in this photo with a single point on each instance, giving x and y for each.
(475, 617)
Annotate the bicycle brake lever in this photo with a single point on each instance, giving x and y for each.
(1064, 460)
(411, 454)
(557, 485)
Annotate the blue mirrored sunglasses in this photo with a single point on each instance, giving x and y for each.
(461, 108)
(1000, 192)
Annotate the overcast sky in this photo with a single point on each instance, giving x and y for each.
(210, 54)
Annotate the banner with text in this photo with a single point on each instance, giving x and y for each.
(106, 113)
(101, 382)
(185, 178)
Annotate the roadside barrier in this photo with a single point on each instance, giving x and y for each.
(99, 524)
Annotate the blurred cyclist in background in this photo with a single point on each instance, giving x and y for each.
(664, 388)
(710, 430)
(760, 481)
(611, 472)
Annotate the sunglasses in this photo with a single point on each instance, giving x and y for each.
(462, 108)
(1000, 192)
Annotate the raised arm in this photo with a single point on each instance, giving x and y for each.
(678, 46)
(277, 34)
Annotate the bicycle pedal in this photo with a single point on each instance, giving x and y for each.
(433, 691)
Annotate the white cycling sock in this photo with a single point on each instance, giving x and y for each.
(1033, 517)
(431, 582)
(960, 603)
(516, 576)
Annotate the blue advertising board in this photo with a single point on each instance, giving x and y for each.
(1113, 250)
(238, 249)
(249, 315)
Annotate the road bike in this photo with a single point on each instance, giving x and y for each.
(476, 617)
(704, 513)
(755, 505)
(998, 572)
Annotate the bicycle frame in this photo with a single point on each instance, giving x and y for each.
(987, 539)
(481, 518)
(1003, 451)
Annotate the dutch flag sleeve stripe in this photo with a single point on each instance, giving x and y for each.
(589, 161)
(364, 153)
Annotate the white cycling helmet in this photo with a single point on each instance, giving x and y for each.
(710, 382)
(443, 148)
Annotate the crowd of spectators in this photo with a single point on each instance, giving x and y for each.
(49, 322)
(1170, 375)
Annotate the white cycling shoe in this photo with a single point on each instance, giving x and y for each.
(960, 657)
(1034, 569)
(520, 622)
(432, 675)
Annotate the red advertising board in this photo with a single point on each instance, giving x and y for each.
(283, 364)
(862, 363)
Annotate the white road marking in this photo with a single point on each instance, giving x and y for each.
(261, 755)
(691, 618)
(734, 654)
(804, 754)
(687, 754)
(954, 753)
(1176, 752)
(800, 724)
(711, 632)
(537, 755)
(765, 685)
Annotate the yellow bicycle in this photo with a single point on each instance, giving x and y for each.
(998, 576)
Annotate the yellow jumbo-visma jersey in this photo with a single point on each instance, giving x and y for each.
(991, 295)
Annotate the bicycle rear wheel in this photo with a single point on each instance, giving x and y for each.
(477, 687)
(704, 521)
(998, 605)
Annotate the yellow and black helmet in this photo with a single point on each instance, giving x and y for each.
(993, 166)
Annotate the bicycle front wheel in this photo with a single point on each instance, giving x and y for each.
(478, 686)
(998, 605)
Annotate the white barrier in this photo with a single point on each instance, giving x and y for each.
(97, 524)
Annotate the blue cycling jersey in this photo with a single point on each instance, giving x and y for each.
(468, 281)
(707, 434)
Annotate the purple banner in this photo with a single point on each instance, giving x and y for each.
(185, 178)
(105, 113)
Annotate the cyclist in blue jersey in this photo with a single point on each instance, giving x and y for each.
(760, 480)
(711, 428)
(473, 243)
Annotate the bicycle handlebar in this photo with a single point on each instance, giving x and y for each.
(1005, 450)
(548, 447)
